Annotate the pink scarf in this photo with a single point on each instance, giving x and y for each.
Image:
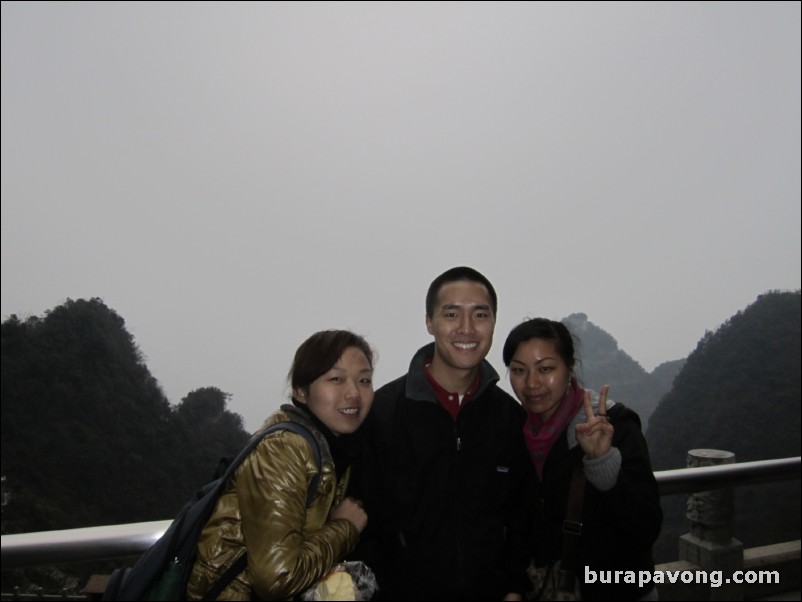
(540, 436)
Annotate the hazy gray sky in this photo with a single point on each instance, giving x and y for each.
(230, 178)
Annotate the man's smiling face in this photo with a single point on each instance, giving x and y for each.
(462, 324)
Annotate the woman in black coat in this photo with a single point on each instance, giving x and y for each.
(568, 427)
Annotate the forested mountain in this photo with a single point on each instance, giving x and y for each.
(602, 362)
(88, 437)
(663, 378)
(739, 391)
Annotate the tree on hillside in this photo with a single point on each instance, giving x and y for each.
(88, 436)
(211, 432)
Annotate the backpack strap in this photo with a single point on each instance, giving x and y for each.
(294, 427)
(300, 429)
(231, 573)
(118, 576)
(241, 562)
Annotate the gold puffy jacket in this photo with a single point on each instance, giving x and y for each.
(290, 546)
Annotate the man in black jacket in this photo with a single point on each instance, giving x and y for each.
(445, 475)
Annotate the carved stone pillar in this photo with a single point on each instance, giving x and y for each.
(710, 544)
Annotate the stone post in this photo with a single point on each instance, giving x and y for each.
(710, 544)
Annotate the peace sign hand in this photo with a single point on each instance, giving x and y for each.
(596, 435)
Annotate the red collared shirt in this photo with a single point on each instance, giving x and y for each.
(450, 401)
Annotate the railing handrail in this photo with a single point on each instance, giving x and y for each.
(130, 540)
(705, 478)
(88, 544)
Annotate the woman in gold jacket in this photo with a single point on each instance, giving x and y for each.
(263, 511)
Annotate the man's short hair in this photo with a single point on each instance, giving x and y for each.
(455, 275)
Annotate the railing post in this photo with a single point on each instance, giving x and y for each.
(710, 544)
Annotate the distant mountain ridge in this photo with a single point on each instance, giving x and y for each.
(601, 362)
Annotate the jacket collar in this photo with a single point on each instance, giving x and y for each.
(418, 386)
(290, 413)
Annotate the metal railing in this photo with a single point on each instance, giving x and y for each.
(705, 478)
(125, 541)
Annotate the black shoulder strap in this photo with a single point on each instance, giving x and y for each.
(572, 529)
(240, 563)
(227, 577)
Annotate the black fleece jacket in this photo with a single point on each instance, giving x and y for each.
(619, 526)
(449, 502)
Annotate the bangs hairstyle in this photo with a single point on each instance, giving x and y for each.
(541, 328)
(318, 354)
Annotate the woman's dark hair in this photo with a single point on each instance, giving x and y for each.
(541, 328)
(318, 354)
(456, 275)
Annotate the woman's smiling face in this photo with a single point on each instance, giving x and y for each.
(539, 376)
(341, 398)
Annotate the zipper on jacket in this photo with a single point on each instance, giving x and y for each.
(457, 438)
(458, 506)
